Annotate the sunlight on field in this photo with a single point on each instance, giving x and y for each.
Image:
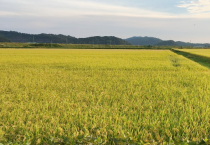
(102, 96)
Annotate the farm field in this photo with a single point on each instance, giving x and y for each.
(102, 96)
(201, 52)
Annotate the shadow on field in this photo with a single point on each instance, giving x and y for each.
(202, 60)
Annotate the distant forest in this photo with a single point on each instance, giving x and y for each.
(12, 36)
(3, 39)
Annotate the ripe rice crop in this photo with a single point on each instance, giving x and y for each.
(201, 52)
(102, 96)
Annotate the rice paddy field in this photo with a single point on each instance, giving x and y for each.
(50, 96)
(201, 52)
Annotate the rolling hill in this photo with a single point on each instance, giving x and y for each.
(143, 40)
(52, 38)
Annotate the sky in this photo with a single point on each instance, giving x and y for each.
(179, 20)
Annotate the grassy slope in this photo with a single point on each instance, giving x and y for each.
(107, 95)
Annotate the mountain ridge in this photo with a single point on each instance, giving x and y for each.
(14, 36)
(139, 40)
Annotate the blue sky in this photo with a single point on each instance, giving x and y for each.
(184, 20)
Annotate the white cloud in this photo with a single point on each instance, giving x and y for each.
(200, 8)
(69, 8)
(7, 13)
